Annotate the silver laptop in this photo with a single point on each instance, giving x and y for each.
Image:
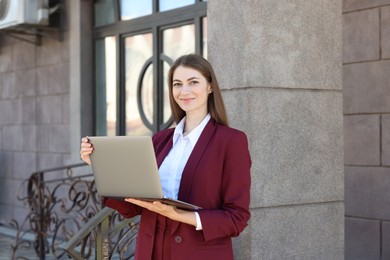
(126, 167)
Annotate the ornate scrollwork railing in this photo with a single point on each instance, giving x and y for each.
(67, 218)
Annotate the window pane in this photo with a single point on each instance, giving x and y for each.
(104, 12)
(167, 106)
(165, 5)
(106, 86)
(179, 41)
(138, 50)
(135, 8)
(176, 42)
(204, 28)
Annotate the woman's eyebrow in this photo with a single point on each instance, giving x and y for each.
(189, 79)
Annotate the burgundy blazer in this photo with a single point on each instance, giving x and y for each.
(217, 178)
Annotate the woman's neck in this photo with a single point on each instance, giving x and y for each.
(192, 122)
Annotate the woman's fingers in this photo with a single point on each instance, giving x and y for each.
(86, 149)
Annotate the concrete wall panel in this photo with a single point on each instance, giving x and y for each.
(366, 87)
(296, 143)
(361, 39)
(298, 232)
(385, 231)
(385, 32)
(386, 140)
(353, 5)
(362, 239)
(294, 44)
(232, 67)
(366, 192)
(362, 140)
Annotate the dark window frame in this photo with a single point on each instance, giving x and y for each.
(155, 24)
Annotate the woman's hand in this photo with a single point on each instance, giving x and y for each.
(168, 211)
(155, 206)
(85, 150)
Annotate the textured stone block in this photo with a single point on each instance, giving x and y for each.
(59, 138)
(49, 160)
(30, 138)
(352, 5)
(367, 192)
(13, 138)
(9, 191)
(53, 138)
(362, 239)
(298, 232)
(43, 138)
(227, 60)
(50, 52)
(6, 62)
(385, 240)
(365, 85)
(7, 110)
(361, 36)
(53, 79)
(28, 110)
(362, 140)
(385, 36)
(296, 144)
(23, 55)
(6, 162)
(291, 45)
(24, 165)
(65, 109)
(49, 109)
(386, 139)
(19, 84)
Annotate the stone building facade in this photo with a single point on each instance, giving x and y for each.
(366, 37)
(280, 68)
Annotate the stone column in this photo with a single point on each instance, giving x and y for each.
(279, 64)
(81, 68)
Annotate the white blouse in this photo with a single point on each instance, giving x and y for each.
(173, 165)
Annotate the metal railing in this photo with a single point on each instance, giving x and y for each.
(67, 218)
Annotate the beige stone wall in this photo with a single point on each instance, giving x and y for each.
(366, 70)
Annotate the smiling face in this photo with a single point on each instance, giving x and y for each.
(191, 90)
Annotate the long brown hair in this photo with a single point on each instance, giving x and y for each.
(215, 105)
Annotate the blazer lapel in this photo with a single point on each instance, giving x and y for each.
(194, 159)
(192, 163)
(164, 152)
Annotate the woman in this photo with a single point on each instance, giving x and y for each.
(202, 161)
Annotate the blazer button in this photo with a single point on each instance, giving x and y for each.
(178, 239)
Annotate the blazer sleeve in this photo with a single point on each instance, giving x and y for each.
(126, 209)
(234, 214)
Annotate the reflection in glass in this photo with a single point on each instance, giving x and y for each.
(104, 12)
(179, 41)
(106, 86)
(204, 28)
(167, 106)
(165, 5)
(176, 42)
(138, 49)
(131, 9)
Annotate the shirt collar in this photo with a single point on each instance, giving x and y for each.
(193, 136)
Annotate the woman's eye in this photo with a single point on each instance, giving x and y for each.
(176, 85)
(193, 82)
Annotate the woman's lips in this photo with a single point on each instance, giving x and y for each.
(186, 100)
